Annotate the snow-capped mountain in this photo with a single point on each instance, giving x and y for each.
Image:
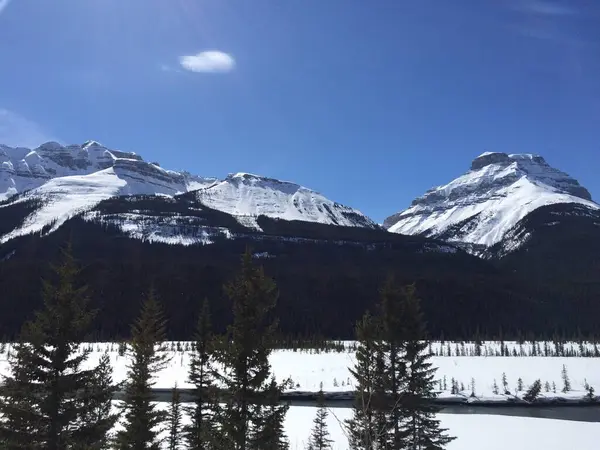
(247, 195)
(64, 182)
(22, 169)
(482, 206)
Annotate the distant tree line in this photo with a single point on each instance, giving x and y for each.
(50, 401)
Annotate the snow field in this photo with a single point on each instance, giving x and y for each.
(309, 369)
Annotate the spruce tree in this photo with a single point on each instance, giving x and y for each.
(454, 388)
(591, 396)
(142, 420)
(319, 438)
(495, 388)
(566, 381)
(98, 399)
(533, 392)
(392, 374)
(49, 401)
(505, 384)
(174, 419)
(201, 433)
(268, 432)
(420, 427)
(363, 429)
(244, 357)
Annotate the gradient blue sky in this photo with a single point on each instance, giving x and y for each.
(368, 102)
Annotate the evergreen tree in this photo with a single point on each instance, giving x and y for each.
(319, 438)
(48, 401)
(268, 432)
(98, 401)
(244, 358)
(174, 418)
(392, 365)
(547, 386)
(420, 427)
(590, 392)
(495, 388)
(566, 381)
(473, 393)
(143, 420)
(363, 429)
(533, 392)
(201, 434)
(519, 384)
(454, 385)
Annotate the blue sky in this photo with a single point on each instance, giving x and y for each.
(370, 103)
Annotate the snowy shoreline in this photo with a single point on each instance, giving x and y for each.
(311, 369)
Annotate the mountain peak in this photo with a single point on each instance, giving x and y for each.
(50, 146)
(482, 205)
(253, 178)
(488, 158)
(248, 195)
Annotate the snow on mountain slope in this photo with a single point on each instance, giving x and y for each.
(245, 195)
(481, 206)
(62, 198)
(22, 169)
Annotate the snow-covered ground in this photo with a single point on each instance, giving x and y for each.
(309, 369)
(473, 432)
(477, 431)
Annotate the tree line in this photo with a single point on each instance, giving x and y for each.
(50, 400)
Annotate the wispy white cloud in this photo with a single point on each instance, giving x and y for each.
(208, 62)
(17, 131)
(3, 4)
(545, 20)
(546, 8)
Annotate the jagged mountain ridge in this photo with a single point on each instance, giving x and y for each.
(481, 207)
(64, 182)
(23, 169)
